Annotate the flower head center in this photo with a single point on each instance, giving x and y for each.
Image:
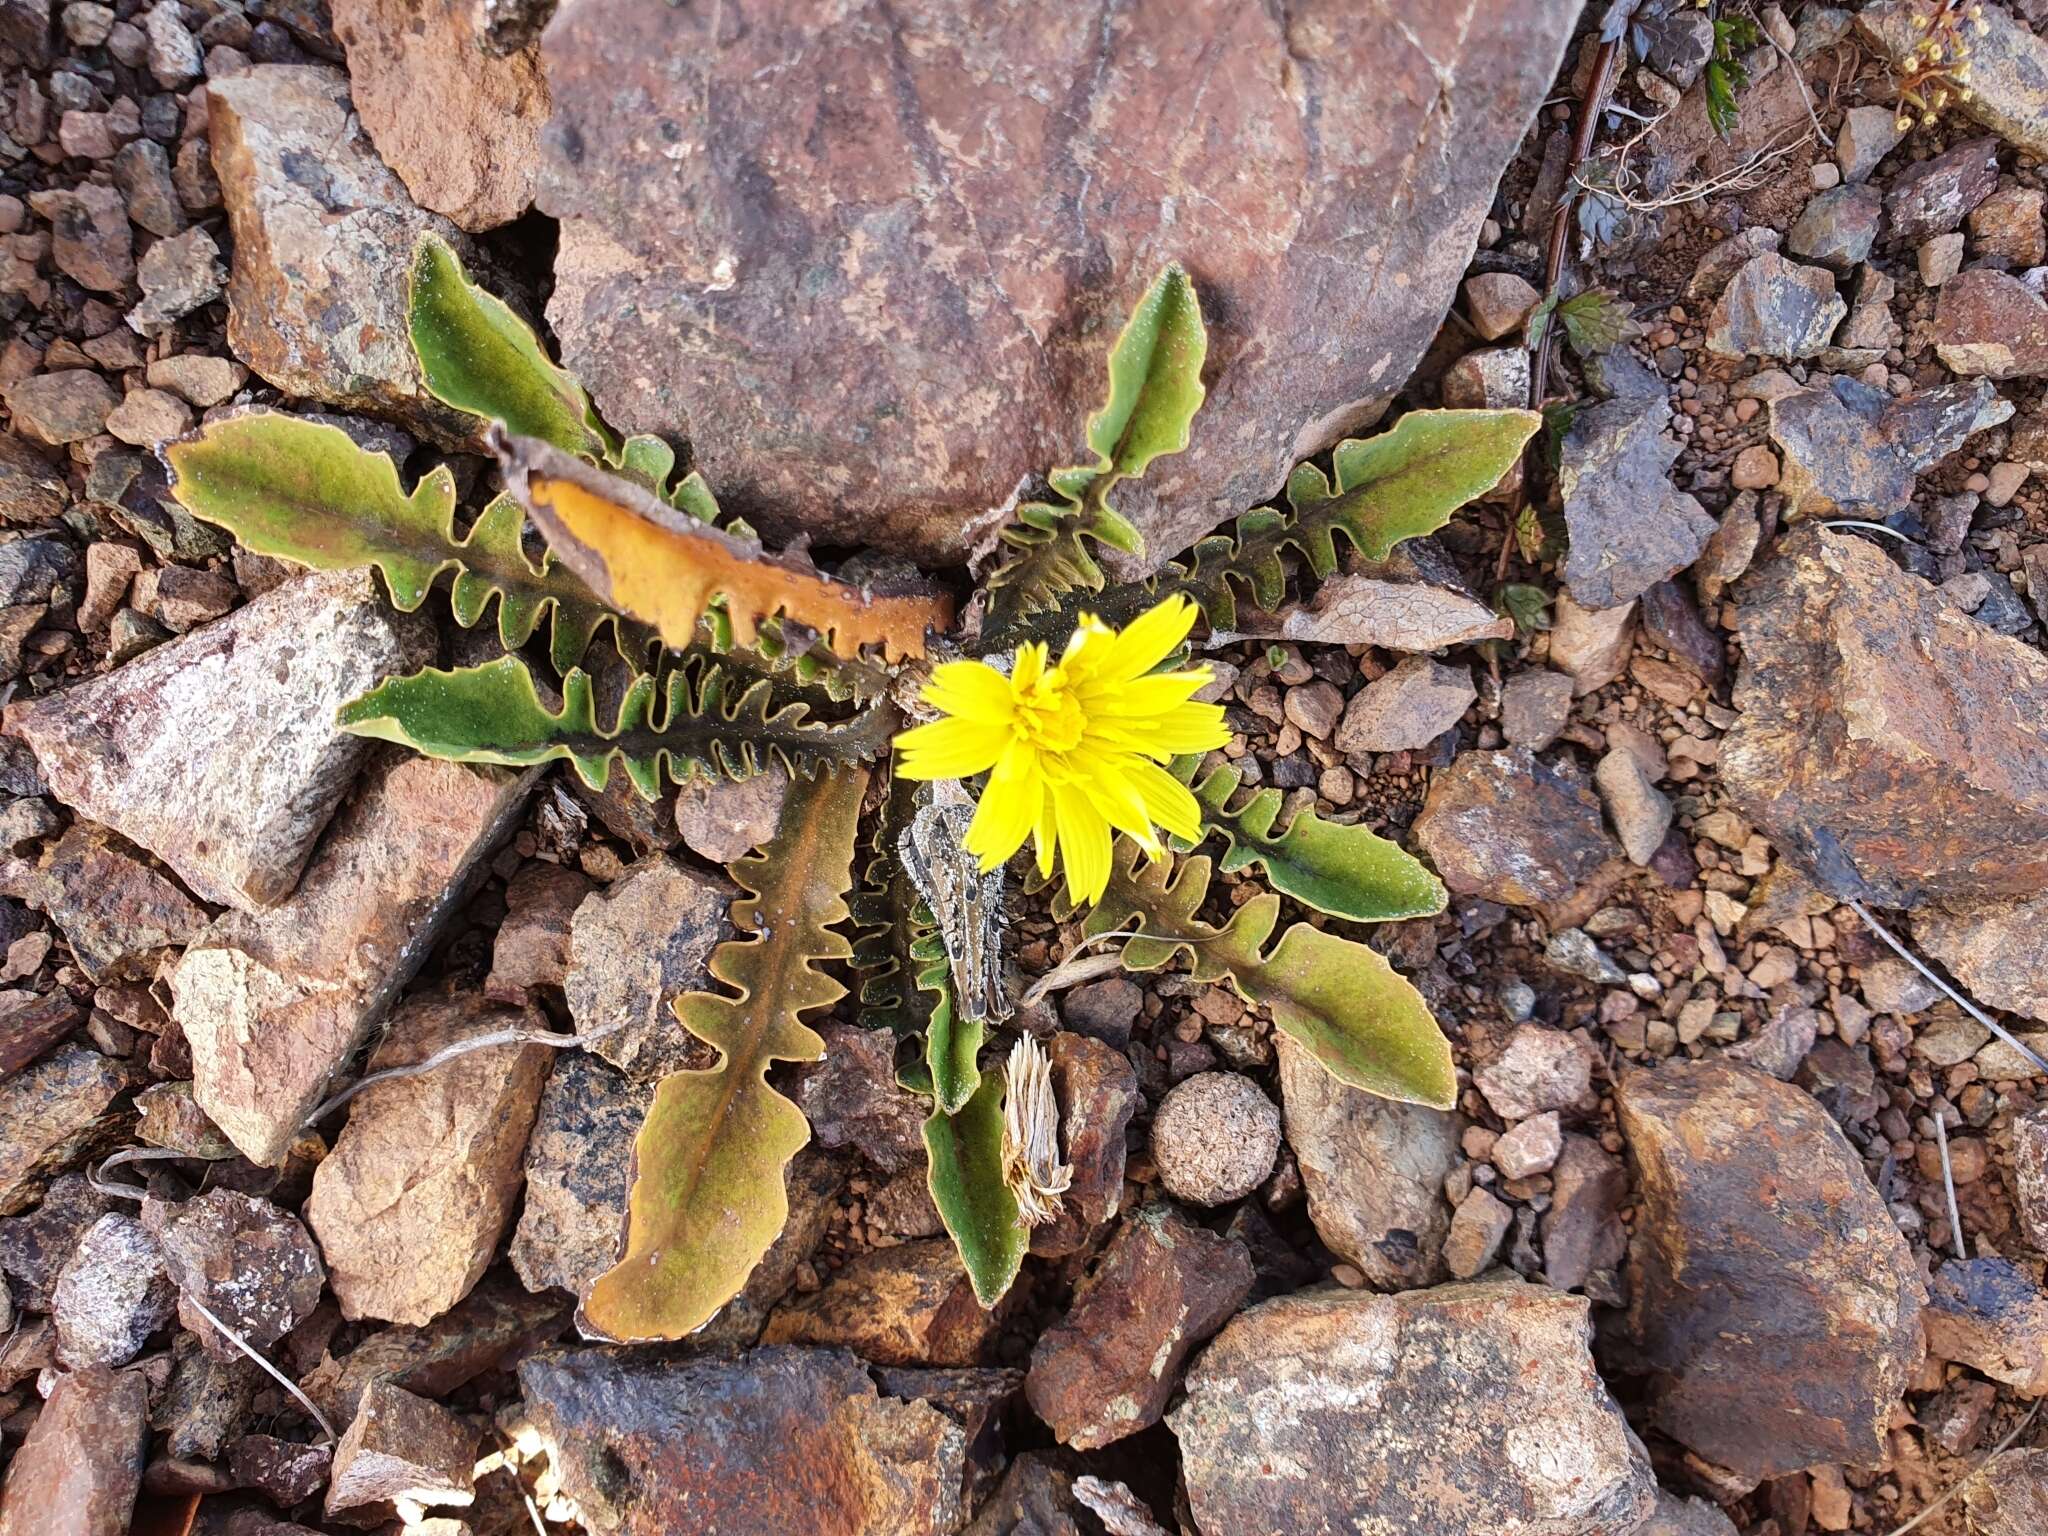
(1047, 715)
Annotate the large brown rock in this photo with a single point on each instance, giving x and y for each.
(117, 913)
(68, 1106)
(1513, 827)
(218, 752)
(881, 254)
(1891, 745)
(273, 1004)
(773, 1440)
(1161, 1287)
(907, 1305)
(1998, 950)
(1771, 1298)
(1374, 1171)
(80, 1468)
(1469, 1407)
(323, 231)
(421, 1183)
(475, 154)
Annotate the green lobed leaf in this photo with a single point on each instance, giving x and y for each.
(1346, 871)
(478, 356)
(1402, 484)
(965, 1155)
(306, 492)
(1155, 388)
(1594, 322)
(888, 920)
(952, 1042)
(1354, 1013)
(708, 1196)
(704, 720)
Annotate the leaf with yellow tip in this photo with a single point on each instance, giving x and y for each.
(306, 492)
(708, 1196)
(664, 567)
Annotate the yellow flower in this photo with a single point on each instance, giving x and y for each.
(1072, 750)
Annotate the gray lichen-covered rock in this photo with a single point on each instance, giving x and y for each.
(1374, 1171)
(321, 229)
(1771, 1298)
(777, 1439)
(1851, 450)
(1891, 745)
(218, 752)
(634, 948)
(1776, 308)
(1630, 526)
(579, 1165)
(1513, 827)
(969, 204)
(1469, 1407)
(112, 1295)
(272, 1004)
(250, 1263)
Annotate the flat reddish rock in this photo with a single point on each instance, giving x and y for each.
(402, 1446)
(1161, 1287)
(422, 1181)
(476, 156)
(1772, 1302)
(870, 261)
(1892, 746)
(780, 1439)
(273, 1004)
(81, 1466)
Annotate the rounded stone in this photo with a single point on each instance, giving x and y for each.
(1215, 1138)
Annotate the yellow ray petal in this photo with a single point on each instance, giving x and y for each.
(971, 688)
(953, 748)
(1084, 844)
(1167, 801)
(1148, 639)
